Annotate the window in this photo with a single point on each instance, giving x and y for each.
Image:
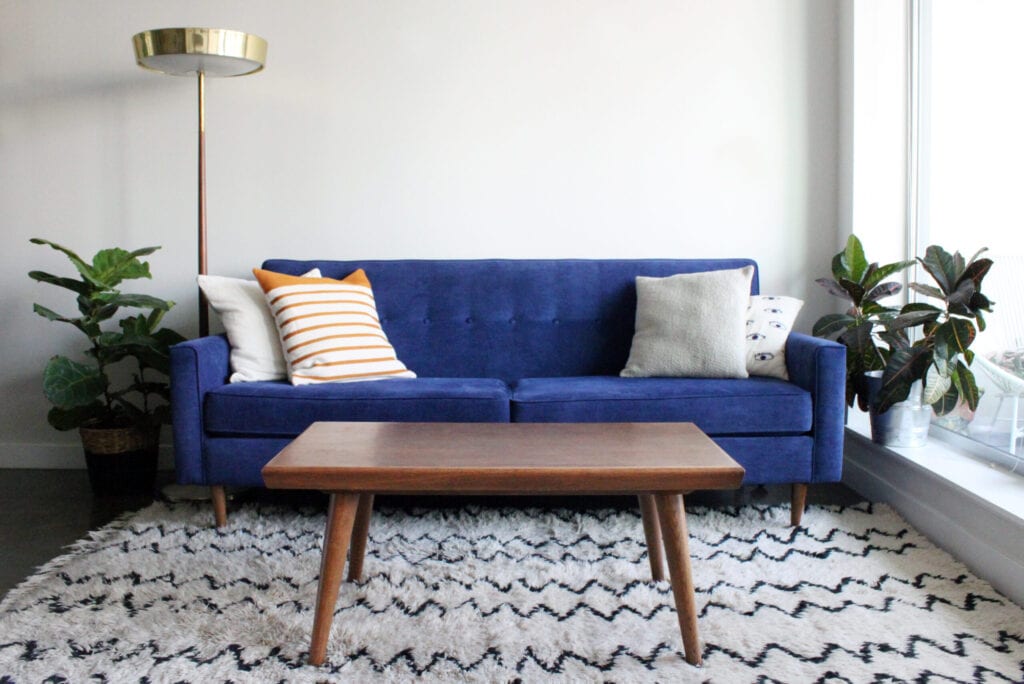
(967, 124)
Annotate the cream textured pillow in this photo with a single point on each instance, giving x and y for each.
(255, 348)
(329, 329)
(691, 325)
(769, 320)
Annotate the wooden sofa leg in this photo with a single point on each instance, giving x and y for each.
(220, 505)
(798, 503)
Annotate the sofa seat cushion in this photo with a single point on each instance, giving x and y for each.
(279, 408)
(729, 406)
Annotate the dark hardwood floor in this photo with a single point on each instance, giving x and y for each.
(44, 511)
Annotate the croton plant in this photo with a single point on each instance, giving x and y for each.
(927, 340)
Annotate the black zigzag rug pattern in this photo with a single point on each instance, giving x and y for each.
(505, 594)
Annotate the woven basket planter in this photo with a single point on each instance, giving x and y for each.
(121, 461)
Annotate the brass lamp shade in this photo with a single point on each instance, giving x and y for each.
(188, 51)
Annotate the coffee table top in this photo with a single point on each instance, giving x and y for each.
(503, 458)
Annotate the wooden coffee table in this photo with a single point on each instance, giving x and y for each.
(659, 462)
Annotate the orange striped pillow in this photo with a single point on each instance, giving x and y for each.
(329, 329)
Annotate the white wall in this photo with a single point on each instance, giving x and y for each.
(379, 129)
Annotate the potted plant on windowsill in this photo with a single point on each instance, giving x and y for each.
(931, 369)
(863, 286)
(119, 424)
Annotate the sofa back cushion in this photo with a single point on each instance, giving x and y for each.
(509, 319)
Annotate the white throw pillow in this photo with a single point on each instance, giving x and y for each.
(769, 320)
(691, 325)
(255, 347)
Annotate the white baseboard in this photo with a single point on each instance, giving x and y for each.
(986, 538)
(60, 456)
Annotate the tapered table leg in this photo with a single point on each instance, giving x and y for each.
(360, 531)
(672, 516)
(340, 515)
(652, 533)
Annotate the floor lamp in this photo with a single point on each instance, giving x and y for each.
(200, 52)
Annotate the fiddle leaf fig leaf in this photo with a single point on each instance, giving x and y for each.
(142, 302)
(135, 327)
(49, 314)
(111, 266)
(138, 301)
(68, 384)
(144, 251)
(77, 416)
(168, 338)
(85, 269)
(105, 312)
(79, 286)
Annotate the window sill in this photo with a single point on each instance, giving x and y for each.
(976, 476)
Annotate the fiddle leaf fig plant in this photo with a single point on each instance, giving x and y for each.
(863, 285)
(941, 355)
(83, 394)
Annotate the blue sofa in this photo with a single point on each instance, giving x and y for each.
(512, 340)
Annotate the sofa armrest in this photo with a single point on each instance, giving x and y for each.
(197, 366)
(819, 366)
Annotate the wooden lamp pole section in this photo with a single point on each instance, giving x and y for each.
(204, 309)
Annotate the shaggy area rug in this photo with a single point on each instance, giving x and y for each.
(505, 594)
